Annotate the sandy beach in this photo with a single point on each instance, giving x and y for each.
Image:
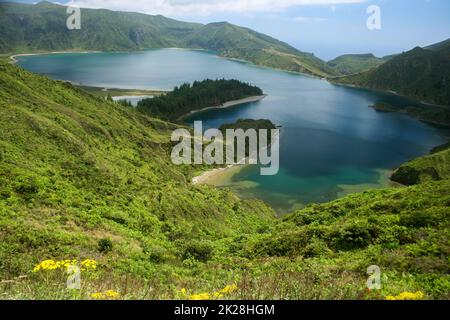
(226, 105)
(204, 177)
(210, 174)
(14, 60)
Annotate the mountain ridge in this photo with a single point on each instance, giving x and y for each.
(42, 27)
(355, 63)
(420, 73)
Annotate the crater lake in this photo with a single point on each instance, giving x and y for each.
(331, 143)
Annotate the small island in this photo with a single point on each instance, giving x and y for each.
(200, 96)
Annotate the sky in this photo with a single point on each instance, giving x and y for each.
(327, 28)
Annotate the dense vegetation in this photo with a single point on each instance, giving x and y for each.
(201, 94)
(434, 167)
(355, 63)
(76, 170)
(423, 74)
(42, 27)
(432, 114)
(82, 178)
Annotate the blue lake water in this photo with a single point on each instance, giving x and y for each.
(331, 143)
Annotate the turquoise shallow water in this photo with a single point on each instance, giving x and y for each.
(332, 143)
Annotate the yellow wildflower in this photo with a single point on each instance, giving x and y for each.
(229, 289)
(46, 265)
(215, 295)
(97, 296)
(183, 293)
(110, 294)
(66, 264)
(88, 264)
(407, 296)
(200, 296)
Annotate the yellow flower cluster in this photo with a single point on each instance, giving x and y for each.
(407, 296)
(107, 295)
(54, 265)
(229, 289)
(86, 265)
(210, 296)
(201, 296)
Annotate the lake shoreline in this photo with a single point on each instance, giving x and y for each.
(203, 178)
(327, 79)
(13, 56)
(214, 173)
(288, 105)
(388, 92)
(15, 61)
(119, 92)
(225, 105)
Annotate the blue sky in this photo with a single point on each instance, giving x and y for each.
(327, 28)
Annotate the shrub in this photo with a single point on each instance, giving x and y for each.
(352, 237)
(105, 245)
(418, 219)
(316, 248)
(27, 187)
(5, 194)
(156, 254)
(199, 251)
(282, 245)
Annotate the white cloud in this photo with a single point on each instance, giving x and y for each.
(203, 7)
(308, 19)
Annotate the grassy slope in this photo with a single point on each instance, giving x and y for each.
(420, 73)
(75, 169)
(433, 167)
(355, 63)
(241, 43)
(42, 27)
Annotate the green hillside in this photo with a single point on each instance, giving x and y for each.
(355, 63)
(76, 170)
(82, 178)
(420, 73)
(42, 27)
(438, 46)
(433, 167)
(241, 43)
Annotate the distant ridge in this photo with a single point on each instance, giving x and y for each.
(421, 73)
(439, 46)
(355, 63)
(42, 27)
